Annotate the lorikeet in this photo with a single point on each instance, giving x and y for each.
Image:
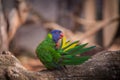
(55, 56)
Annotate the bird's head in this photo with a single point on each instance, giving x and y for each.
(56, 35)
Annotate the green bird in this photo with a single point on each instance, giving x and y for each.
(55, 56)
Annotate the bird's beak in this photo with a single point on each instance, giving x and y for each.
(61, 35)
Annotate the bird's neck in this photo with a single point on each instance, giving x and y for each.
(51, 42)
(49, 39)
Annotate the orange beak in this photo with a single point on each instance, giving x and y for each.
(61, 35)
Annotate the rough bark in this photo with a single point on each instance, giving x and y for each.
(104, 65)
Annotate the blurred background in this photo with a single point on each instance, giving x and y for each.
(25, 23)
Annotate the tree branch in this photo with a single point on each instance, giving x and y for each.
(102, 66)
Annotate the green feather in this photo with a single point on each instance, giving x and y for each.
(80, 51)
(67, 56)
(76, 48)
(70, 45)
(75, 60)
(54, 58)
(47, 53)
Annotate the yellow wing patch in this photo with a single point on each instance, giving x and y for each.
(67, 44)
(63, 42)
(71, 46)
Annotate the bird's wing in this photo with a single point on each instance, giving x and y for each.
(74, 60)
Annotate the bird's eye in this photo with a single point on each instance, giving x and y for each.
(59, 31)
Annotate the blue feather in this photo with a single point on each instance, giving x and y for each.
(55, 35)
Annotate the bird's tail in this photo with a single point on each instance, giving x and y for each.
(71, 52)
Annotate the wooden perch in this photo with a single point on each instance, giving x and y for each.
(102, 66)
